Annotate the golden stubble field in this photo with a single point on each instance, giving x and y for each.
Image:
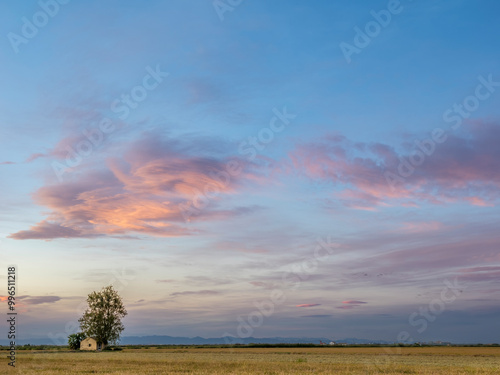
(327, 360)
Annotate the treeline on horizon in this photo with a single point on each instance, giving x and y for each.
(256, 345)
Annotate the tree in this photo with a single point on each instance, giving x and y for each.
(102, 319)
(75, 339)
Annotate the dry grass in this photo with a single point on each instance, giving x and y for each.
(443, 360)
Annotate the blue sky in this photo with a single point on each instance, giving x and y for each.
(192, 154)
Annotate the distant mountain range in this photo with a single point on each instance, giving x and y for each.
(145, 340)
(170, 340)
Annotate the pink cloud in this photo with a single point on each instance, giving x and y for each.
(38, 300)
(35, 156)
(476, 201)
(196, 292)
(45, 230)
(480, 274)
(142, 192)
(350, 304)
(422, 226)
(354, 302)
(460, 169)
(309, 305)
(462, 252)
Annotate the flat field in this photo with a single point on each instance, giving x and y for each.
(320, 360)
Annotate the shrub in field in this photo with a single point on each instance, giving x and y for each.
(74, 340)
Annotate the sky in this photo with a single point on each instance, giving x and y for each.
(253, 168)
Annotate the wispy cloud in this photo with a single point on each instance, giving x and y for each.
(35, 156)
(480, 274)
(309, 305)
(463, 168)
(38, 300)
(422, 226)
(139, 193)
(353, 302)
(262, 284)
(195, 292)
(350, 304)
(45, 230)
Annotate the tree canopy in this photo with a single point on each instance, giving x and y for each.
(102, 318)
(75, 339)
